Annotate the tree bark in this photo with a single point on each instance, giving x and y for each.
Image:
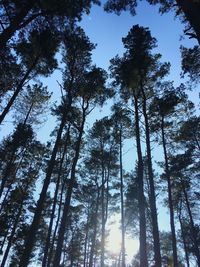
(184, 241)
(153, 208)
(193, 230)
(61, 232)
(29, 243)
(141, 197)
(56, 226)
(93, 243)
(122, 201)
(170, 201)
(10, 239)
(44, 261)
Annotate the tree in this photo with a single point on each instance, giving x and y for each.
(122, 128)
(137, 74)
(92, 92)
(187, 10)
(191, 63)
(32, 105)
(166, 106)
(19, 15)
(76, 52)
(37, 59)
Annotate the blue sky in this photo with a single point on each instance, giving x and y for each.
(107, 30)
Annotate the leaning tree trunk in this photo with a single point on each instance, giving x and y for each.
(193, 230)
(29, 243)
(170, 201)
(56, 226)
(184, 239)
(153, 208)
(47, 245)
(141, 197)
(61, 231)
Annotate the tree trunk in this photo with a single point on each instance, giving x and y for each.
(10, 239)
(86, 240)
(44, 261)
(193, 230)
(56, 226)
(102, 215)
(93, 243)
(122, 201)
(170, 201)
(61, 232)
(184, 241)
(141, 197)
(153, 208)
(29, 243)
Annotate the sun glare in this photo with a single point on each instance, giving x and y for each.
(113, 244)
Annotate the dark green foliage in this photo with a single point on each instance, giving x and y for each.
(191, 63)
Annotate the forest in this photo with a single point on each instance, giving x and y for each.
(60, 195)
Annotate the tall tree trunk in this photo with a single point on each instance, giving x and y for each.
(44, 261)
(191, 10)
(18, 90)
(10, 239)
(122, 200)
(141, 197)
(61, 232)
(184, 240)
(193, 230)
(170, 201)
(56, 226)
(153, 208)
(86, 240)
(93, 243)
(102, 215)
(29, 243)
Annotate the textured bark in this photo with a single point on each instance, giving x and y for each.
(184, 241)
(86, 240)
(141, 197)
(47, 245)
(154, 215)
(29, 243)
(170, 201)
(93, 243)
(56, 226)
(10, 239)
(122, 201)
(193, 230)
(61, 231)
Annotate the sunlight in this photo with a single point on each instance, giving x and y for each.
(113, 244)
